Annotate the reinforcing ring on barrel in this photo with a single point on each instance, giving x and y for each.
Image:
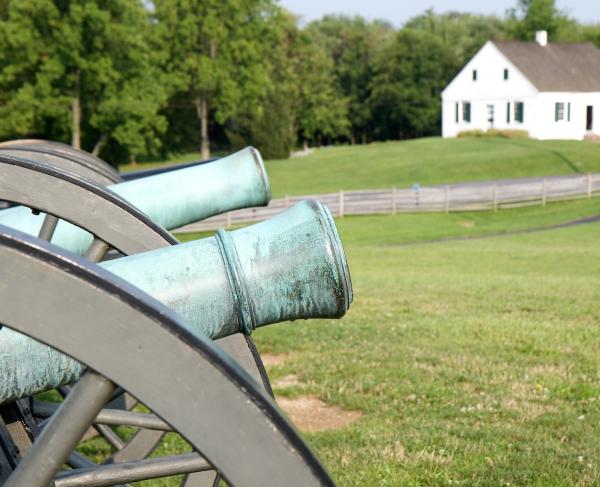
(237, 283)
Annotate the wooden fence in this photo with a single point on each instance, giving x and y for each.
(475, 196)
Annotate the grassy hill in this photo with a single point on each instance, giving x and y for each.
(427, 161)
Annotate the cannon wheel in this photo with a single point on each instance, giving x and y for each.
(64, 157)
(213, 404)
(53, 191)
(46, 189)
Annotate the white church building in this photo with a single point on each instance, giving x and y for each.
(550, 90)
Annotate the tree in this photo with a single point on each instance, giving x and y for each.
(270, 122)
(215, 55)
(28, 93)
(462, 34)
(353, 44)
(82, 68)
(321, 110)
(530, 16)
(301, 98)
(590, 33)
(410, 74)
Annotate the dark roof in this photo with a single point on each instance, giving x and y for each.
(556, 66)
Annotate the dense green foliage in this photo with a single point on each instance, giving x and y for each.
(133, 79)
(80, 70)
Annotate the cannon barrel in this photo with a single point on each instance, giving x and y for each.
(289, 267)
(171, 199)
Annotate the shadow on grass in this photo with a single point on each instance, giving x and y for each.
(568, 162)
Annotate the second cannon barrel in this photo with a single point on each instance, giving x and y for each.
(171, 199)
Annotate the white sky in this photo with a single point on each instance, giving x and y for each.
(399, 11)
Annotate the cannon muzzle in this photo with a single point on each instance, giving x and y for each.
(171, 199)
(289, 267)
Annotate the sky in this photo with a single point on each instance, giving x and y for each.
(399, 11)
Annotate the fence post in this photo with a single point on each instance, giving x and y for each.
(589, 184)
(228, 219)
(543, 191)
(446, 199)
(341, 211)
(495, 197)
(287, 201)
(394, 200)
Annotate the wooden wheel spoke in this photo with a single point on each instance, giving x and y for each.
(62, 433)
(119, 473)
(111, 417)
(48, 227)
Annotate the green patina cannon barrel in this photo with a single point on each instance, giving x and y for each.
(289, 267)
(171, 199)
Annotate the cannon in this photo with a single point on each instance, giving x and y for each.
(170, 200)
(183, 378)
(122, 226)
(231, 252)
(62, 156)
(287, 268)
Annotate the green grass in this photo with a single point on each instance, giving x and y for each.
(427, 161)
(473, 362)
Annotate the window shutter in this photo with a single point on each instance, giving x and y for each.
(466, 111)
(519, 111)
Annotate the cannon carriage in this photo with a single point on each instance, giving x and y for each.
(85, 330)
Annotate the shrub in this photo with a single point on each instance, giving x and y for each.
(501, 133)
(507, 133)
(476, 133)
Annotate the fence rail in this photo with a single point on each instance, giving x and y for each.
(474, 196)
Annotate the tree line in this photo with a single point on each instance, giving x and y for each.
(128, 79)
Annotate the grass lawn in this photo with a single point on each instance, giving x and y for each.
(473, 362)
(427, 161)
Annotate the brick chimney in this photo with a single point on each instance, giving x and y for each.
(541, 37)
